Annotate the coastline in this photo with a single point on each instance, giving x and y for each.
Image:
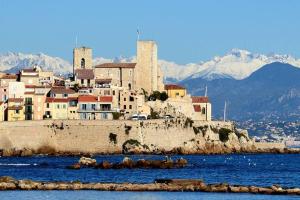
(99, 137)
(173, 185)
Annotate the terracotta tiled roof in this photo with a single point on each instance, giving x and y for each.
(84, 73)
(29, 70)
(106, 99)
(116, 65)
(62, 90)
(197, 108)
(29, 75)
(56, 100)
(15, 108)
(173, 87)
(200, 100)
(29, 93)
(30, 86)
(9, 76)
(91, 98)
(105, 80)
(15, 100)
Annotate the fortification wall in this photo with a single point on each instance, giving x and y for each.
(109, 136)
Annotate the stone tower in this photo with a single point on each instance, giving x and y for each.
(147, 67)
(82, 58)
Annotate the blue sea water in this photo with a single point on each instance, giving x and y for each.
(247, 169)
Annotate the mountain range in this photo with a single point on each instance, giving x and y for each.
(254, 85)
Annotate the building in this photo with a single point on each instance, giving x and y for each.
(56, 108)
(15, 109)
(29, 76)
(73, 108)
(95, 107)
(62, 92)
(6, 78)
(2, 108)
(175, 91)
(202, 108)
(148, 74)
(16, 89)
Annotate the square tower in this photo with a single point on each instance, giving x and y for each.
(147, 67)
(82, 58)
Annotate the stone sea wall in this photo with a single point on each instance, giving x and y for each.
(117, 136)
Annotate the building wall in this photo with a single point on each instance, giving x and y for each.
(128, 101)
(175, 93)
(16, 90)
(147, 67)
(30, 80)
(59, 110)
(82, 53)
(1, 111)
(14, 115)
(38, 106)
(3, 93)
(72, 112)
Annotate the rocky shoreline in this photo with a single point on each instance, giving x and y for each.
(183, 185)
(177, 151)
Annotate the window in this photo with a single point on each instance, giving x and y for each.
(57, 106)
(17, 111)
(82, 81)
(82, 63)
(114, 92)
(83, 106)
(65, 95)
(124, 106)
(88, 82)
(130, 73)
(130, 106)
(124, 99)
(47, 105)
(106, 92)
(131, 98)
(129, 86)
(203, 111)
(64, 106)
(93, 106)
(177, 93)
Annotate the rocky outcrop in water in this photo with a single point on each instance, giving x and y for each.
(189, 185)
(127, 162)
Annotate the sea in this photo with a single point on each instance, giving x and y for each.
(242, 169)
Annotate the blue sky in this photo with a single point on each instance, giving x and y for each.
(186, 31)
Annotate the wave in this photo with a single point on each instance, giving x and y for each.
(16, 164)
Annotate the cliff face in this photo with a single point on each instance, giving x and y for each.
(178, 135)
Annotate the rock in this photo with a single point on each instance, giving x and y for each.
(253, 189)
(26, 152)
(265, 190)
(75, 166)
(7, 179)
(28, 184)
(142, 163)
(106, 165)
(127, 163)
(89, 162)
(181, 162)
(293, 191)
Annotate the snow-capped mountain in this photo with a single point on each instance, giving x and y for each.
(237, 64)
(13, 62)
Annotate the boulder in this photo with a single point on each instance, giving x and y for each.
(127, 162)
(89, 162)
(106, 165)
(26, 152)
(181, 162)
(75, 166)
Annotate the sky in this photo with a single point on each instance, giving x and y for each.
(185, 31)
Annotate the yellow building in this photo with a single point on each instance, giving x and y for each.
(175, 91)
(56, 108)
(1, 111)
(15, 109)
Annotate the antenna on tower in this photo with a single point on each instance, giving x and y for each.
(224, 116)
(205, 94)
(138, 34)
(76, 42)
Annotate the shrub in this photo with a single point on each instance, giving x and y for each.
(158, 95)
(153, 114)
(188, 122)
(113, 138)
(116, 115)
(224, 134)
(127, 129)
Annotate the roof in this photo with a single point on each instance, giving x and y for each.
(29, 93)
(62, 90)
(91, 98)
(198, 99)
(56, 100)
(29, 75)
(173, 87)
(15, 100)
(29, 70)
(116, 65)
(15, 108)
(84, 73)
(1, 102)
(105, 80)
(197, 108)
(9, 76)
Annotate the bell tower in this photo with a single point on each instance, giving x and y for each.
(82, 58)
